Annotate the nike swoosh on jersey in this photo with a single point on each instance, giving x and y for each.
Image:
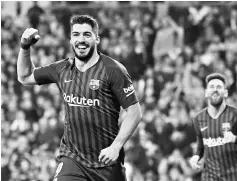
(204, 128)
(67, 81)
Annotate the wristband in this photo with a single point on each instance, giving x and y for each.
(25, 47)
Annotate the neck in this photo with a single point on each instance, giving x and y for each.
(83, 66)
(216, 111)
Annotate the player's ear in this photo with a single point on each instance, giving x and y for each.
(205, 92)
(226, 93)
(97, 41)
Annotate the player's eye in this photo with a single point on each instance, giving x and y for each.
(219, 87)
(75, 34)
(88, 35)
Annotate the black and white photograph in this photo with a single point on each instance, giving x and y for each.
(118, 90)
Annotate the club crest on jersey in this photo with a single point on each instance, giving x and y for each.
(94, 84)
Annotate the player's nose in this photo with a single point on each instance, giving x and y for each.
(215, 89)
(81, 38)
(80, 42)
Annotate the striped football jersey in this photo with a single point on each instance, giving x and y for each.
(220, 157)
(92, 101)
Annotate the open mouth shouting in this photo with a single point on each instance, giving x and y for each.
(215, 95)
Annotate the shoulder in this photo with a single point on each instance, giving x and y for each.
(200, 114)
(112, 64)
(61, 64)
(232, 109)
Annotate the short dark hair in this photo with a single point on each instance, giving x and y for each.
(85, 19)
(215, 76)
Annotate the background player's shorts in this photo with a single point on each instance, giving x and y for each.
(69, 170)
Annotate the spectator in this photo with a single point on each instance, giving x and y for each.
(34, 14)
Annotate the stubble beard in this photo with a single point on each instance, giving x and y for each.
(216, 103)
(84, 58)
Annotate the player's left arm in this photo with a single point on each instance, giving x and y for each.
(124, 91)
(128, 126)
(231, 136)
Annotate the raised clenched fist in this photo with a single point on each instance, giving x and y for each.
(29, 37)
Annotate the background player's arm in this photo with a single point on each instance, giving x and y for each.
(200, 145)
(231, 136)
(194, 161)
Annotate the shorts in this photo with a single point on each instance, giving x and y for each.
(70, 170)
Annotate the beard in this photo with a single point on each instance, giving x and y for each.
(216, 102)
(84, 58)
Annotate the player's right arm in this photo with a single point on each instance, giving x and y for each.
(26, 71)
(25, 67)
(196, 160)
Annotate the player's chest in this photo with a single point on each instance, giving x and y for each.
(89, 84)
(214, 128)
(211, 128)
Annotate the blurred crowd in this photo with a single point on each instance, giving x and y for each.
(167, 49)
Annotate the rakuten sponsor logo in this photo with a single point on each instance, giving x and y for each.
(211, 142)
(80, 101)
(129, 90)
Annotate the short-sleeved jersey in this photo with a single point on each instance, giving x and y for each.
(220, 158)
(92, 102)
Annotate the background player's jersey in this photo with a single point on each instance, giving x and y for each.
(220, 157)
(92, 102)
